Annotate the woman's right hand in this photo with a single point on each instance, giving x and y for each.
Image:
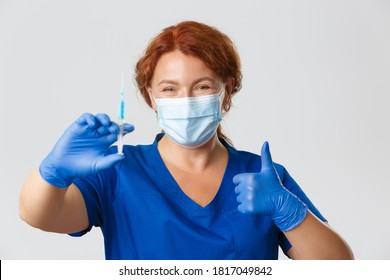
(80, 151)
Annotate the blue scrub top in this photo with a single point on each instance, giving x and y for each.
(144, 214)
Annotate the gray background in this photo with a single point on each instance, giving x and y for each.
(316, 86)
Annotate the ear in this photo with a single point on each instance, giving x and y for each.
(227, 100)
(229, 85)
(154, 106)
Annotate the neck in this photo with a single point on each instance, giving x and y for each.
(192, 160)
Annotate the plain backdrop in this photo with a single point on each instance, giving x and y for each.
(316, 86)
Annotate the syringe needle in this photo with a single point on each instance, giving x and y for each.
(121, 117)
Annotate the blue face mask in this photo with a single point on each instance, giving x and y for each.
(190, 121)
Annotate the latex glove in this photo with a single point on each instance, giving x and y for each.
(80, 151)
(264, 194)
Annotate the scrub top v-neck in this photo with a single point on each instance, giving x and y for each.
(144, 214)
(183, 199)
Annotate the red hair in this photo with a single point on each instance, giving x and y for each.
(207, 43)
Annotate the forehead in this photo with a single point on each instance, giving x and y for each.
(178, 66)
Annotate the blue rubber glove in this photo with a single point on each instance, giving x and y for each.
(264, 194)
(80, 151)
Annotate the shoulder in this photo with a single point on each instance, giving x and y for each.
(140, 152)
(140, 149)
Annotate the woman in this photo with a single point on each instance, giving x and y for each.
(190, 194)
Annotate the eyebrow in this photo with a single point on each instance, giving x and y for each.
(195, 82)
(167, 82)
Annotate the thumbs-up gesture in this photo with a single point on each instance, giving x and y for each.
(264, 194)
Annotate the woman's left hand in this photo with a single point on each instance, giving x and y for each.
(264, 194)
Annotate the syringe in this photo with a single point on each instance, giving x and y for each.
(121, 118)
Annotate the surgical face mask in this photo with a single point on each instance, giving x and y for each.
(190, 121)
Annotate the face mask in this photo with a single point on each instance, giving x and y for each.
(190, 121)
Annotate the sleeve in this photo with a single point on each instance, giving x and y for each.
(97, 191)
(290, 184)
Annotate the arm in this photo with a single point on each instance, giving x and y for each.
(48, 199)
(314, 239)
(49, 208)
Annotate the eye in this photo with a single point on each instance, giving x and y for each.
(203, 87)
(168, 89)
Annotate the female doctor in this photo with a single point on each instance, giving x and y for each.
(190, 194)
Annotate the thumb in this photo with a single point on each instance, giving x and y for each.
(266, 159)
(108, 161)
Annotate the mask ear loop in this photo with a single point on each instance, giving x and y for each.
(221, 94)
(153, 100)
